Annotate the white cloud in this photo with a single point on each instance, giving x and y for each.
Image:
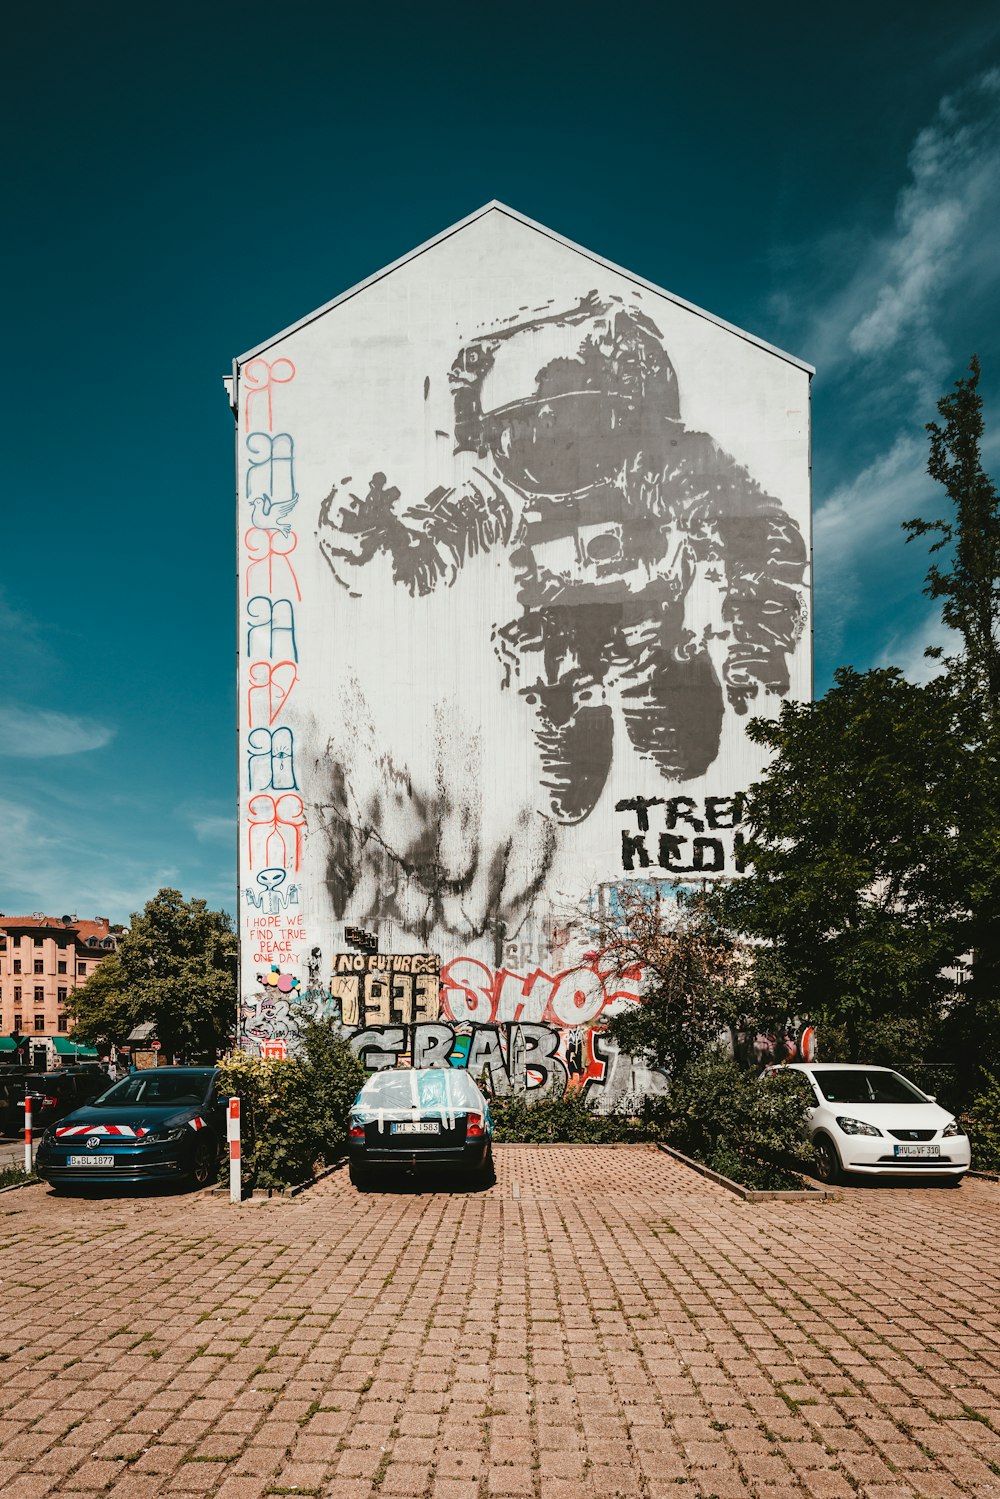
(906, 650)
(210, 827)
(869, 508)
(943, 222)
(38, 733)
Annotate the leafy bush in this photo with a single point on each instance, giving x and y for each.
(567, 1120)
(294, 1111)
(982, 1124)
(736, 1123)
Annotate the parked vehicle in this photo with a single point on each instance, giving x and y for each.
(56, 1094)
(872, 1121)
(419, 1117)
(12, 1081)
(164, 1123)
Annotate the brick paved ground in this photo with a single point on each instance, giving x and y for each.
(602, 1322)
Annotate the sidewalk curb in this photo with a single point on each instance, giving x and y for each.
(752, 1194)
(36, 1181)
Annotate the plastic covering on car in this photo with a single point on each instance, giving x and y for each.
(413, 1093)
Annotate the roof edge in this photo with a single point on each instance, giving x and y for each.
(494, 205)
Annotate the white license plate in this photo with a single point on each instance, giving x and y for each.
(917, 1150)
(91, 1160)
(416, 1129)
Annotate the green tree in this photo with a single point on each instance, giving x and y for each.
(968, 585)
(853, 837)
(175, 967)
(875, 831)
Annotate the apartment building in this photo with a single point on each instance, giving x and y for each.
(42, 960)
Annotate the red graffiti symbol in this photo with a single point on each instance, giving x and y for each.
(471, 991)
(259, 379)
(268, 844)
(264, 548)
(269, 689)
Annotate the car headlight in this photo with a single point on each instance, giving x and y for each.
(162, 1136)
(951, 1129)
(857, 1127)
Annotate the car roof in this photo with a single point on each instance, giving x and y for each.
(841, 1066)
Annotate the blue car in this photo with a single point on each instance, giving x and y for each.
(161, 1124)
(417, 1117)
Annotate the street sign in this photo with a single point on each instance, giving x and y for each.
(155, 1045)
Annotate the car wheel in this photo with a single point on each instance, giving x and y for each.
(202, 1163)
(360, 1176)
(827, 1161)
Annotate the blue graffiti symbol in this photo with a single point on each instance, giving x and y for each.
(271, 760)
(277, 617)
(270, 472)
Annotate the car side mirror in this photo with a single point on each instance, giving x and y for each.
(931, 1097)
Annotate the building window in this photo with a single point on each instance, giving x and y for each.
(61, 996)
(61, 966)
(17, 994)
(17, 965)
(39, 1022)
(63, 1023)
(39, 965)
(17, 1022)
(81, 968)
(39, 996)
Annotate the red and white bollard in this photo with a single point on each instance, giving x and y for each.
(233, 1133)
(28, 1163)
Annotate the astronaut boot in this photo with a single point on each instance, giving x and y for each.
(574, 738)
(673, 711)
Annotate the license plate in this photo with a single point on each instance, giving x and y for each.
(416, 1129)
(91, 1160)
(917, 1150)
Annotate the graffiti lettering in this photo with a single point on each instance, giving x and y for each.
(271, 759)
(471, 991)
(267, 553)
(260, 376)
(267, 816)
(385, 998)
(688, 851)
(277, 618)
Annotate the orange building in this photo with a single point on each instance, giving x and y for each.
(42, 960)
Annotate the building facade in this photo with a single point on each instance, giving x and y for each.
(524, 544)
(42, 960)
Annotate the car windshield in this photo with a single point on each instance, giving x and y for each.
(448, 1088)
(867, 1085)
(152, 1086)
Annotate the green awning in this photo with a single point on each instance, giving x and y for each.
(7, 1043)
(66, 1047)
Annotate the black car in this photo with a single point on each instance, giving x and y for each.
(162, 1123)
(12, 1081)
(415, 1117)
(56, 1094)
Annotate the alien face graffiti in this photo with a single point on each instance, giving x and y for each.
(624, 514)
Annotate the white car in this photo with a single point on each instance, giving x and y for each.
(872, 1121)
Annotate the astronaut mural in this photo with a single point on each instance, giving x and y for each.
(622, 504)
(525, 548)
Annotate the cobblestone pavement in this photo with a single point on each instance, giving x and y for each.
(602, 1322)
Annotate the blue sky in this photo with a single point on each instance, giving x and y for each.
(185, 180)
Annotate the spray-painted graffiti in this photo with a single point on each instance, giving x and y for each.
(472, 991)
(273, 812)
(698, 837)
(527, 1057)
(629, 515)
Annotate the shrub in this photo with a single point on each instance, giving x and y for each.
(736, 1123)
(569, 1120)
(294, 1111)
(982, 1124)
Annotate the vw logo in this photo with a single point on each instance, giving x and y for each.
(93, 1142)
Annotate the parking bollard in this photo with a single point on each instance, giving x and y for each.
(233, 1132)
(27, 1133)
